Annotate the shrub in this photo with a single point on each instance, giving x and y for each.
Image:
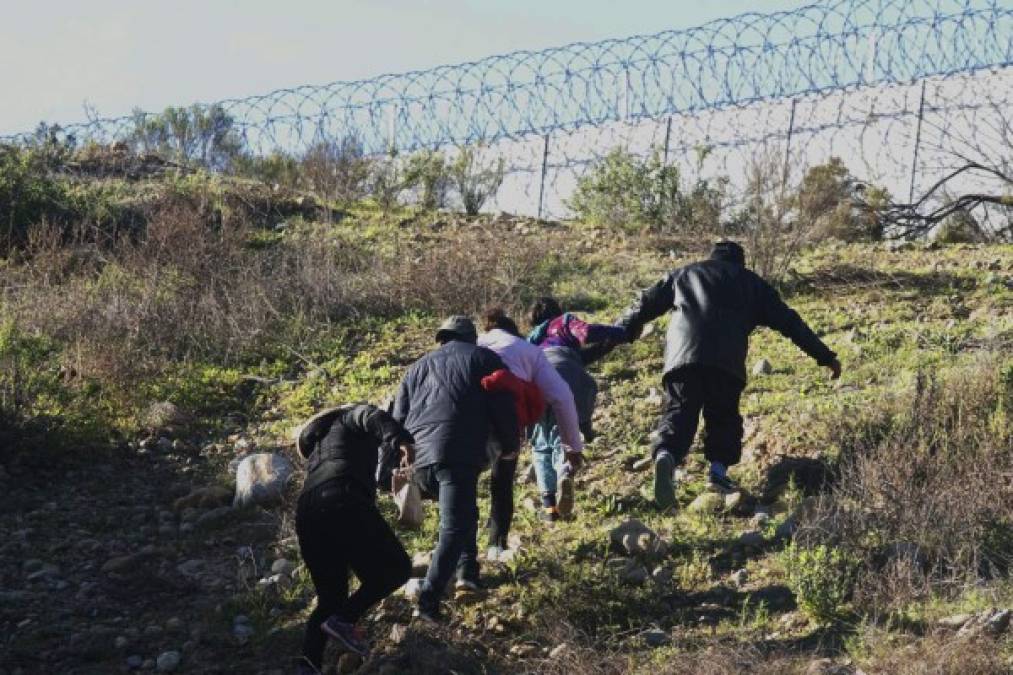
(825, 205)
(429, 174)
(475, 183)
(277, 169)
(917, 497)
(201, 135)
(29, 193)
(623, 190)
(822, 578)
(628, 191)
(386, 183)
(337, 170)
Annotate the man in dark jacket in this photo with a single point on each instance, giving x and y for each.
(715, 305)
(441, 402)
(339, 526)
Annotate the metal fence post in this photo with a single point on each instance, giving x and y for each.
(392, 131)
(787, 145)
(545, 166)
(918, 140)
(668, 137)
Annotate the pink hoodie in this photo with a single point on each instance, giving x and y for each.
(527, 362)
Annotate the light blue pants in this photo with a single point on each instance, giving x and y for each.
(547, 455)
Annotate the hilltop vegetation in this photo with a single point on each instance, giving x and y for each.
(247, 305)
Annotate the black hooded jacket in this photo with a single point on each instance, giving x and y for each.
(715, 306)
(442, 404)
(345, 443)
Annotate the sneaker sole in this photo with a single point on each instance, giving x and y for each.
(664, 486)
(358, 651)
(565, 504)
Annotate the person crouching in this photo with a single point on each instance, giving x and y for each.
(340, 528)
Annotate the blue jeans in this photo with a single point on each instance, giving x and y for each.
(547, 454)
(455, 486)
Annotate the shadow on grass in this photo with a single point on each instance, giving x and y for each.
(851, 277)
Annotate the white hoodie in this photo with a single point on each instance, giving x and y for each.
(528, 362)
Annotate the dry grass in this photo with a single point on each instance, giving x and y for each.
(923, 493)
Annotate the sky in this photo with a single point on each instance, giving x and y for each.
(58, 56)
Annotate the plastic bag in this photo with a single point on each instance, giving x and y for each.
(408, 498)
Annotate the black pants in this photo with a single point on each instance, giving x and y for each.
(501, 493)
(455, 486)
(340, 529)
(690, 390)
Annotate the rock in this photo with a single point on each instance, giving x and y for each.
(559, 650)
(635, 538)
(163, 445)
(214, 516)
(47, 571)
(283, 567)
(398, 632)
(174, 624)
(760, 520)
(735, 501)
(707, 502)
(955, 621)
(242, 632)
(274, 582)
(421, 562)
(634, 575)
(149, 664)
(739, 578)
(204, 498)
(787, 529)
(261, 479)
(348, 663)
(134, 662)
(655, 637)
(413, 588)
(762, 367)
(191, 568)
(163, 414)
(752, 538)
(121, 642)
(653, 399)
(167, 661)
(32, 565)
(523, 651)
(998, 621)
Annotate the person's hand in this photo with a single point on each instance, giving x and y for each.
(407, 454)
(835, 369)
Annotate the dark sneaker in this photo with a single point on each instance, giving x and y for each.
(664, 481)
(722, 484)
(564, 488)
(468, 585)
(347, 634)
(549, 514)
(428, 614)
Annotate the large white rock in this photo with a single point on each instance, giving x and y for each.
(261, 479)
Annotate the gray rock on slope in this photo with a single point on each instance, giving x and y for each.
(261, 479)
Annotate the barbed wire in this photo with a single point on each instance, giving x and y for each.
(836, 77)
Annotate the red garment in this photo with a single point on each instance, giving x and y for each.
(527, 397)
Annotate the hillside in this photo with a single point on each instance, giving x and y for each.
(137, 373)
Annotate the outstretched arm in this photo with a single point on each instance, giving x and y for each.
(559, 397)
(652, 303)
(776, 314)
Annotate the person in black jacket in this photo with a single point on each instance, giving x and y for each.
(442, 404)
(715, 305)
(339, 526)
